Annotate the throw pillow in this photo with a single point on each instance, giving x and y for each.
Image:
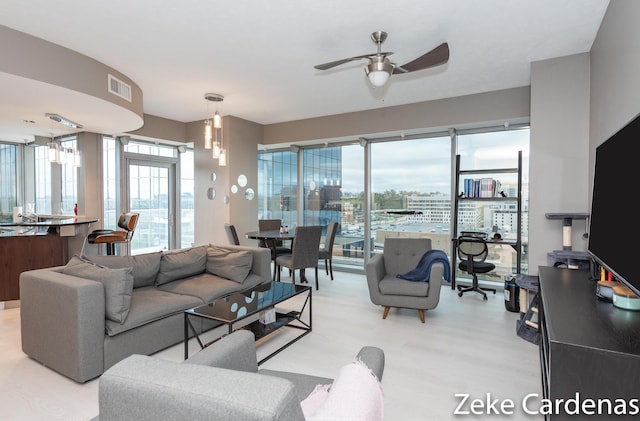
(179, 264)
(118, 285)
(145, 266)
(230, 264)
(355, 394)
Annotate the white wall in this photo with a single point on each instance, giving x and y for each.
(559, 153)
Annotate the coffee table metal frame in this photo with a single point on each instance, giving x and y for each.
(236, 308)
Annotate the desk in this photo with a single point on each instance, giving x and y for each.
(271, 238)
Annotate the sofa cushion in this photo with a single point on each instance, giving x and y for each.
(230, 264)
(149, 304)
(390, 285)
(118, 285)
(178, 264)
(205, 286)
(145, 266)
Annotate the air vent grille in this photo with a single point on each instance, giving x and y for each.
(119, 88)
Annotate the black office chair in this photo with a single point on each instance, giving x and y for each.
(472, 251)
(232, 234)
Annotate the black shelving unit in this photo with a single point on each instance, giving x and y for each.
(517, 245)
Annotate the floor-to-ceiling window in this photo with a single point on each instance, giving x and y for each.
(42, 180)
(186, 223)
(158, 183)
(277, 189)
(333, 189)
(110, 183)
(8, 181)
(410, 186)
(69, 176)
(411, 190)
(498, 149)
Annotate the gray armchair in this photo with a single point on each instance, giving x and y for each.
(400, 256)
(221, 382)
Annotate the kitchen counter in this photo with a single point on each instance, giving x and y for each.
(40, 242)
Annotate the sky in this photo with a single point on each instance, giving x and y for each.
(424, 164)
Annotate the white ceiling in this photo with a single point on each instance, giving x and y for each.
(260, 54)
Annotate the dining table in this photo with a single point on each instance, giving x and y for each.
(270, 239)
(271, 236)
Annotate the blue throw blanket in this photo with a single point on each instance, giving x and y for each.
(423, 270)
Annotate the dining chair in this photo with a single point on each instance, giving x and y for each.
(326, 251)
(277, 246)
(232, 234)
(304, 253)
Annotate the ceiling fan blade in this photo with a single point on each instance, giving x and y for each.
(327, 66)
(435, 57)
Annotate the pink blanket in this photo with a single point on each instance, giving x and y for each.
(355, 394)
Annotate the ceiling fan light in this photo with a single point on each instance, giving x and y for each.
(378, 78)
(378, 72)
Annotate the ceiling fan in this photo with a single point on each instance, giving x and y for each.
(380, 68)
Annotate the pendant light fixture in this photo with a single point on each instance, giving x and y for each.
(213, 133)
(54, 152)
(59, 154)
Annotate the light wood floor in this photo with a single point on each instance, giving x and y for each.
(467, 345)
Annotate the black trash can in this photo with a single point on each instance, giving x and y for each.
(511, 294)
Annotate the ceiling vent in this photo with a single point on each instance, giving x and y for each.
(119, 88)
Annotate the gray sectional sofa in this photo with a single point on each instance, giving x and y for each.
(82, 318)
(223, 382)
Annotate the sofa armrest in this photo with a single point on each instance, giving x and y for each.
(373, 357)
(146, 388)
(62, 322)
(375, 271)
(436, 276)
(236, 351)
(261, 259)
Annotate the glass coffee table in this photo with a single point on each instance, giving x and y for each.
(239, 310)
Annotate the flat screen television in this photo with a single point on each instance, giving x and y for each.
(613, 241)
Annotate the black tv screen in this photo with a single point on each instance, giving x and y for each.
(612, 238)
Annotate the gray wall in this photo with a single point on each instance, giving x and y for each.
(241, 139)
(558, 162)
(615, 73)
(490, 107)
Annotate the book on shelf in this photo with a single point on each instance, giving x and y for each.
(486, 187)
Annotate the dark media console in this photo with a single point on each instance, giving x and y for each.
(587, 345)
